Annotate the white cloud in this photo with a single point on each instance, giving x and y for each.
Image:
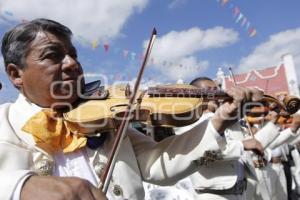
(92, 19)
(269, 53)
(174, 53)
(176, 3)
(145, 84)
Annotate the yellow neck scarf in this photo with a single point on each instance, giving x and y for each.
(52, 133)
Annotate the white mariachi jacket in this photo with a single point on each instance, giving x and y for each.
(224, 175)
(286, 136)
(140, 159)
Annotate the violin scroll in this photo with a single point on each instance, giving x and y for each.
(284, 109)
(292, 104)
(288, 106)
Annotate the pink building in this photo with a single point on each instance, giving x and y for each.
(275, 81)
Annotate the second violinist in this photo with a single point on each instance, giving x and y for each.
(226, 179)
(272, 182)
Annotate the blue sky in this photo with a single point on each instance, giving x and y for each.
(195, 37)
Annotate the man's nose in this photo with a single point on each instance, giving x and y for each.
(69, 63)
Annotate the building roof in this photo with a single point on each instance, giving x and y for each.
(272, 80)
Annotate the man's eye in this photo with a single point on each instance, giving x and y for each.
(54, 56)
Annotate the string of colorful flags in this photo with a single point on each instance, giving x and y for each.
(132, 55)
(239, 17)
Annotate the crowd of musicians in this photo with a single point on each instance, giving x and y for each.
(275, 175)
(44, 155)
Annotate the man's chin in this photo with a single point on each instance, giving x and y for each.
(64, 101)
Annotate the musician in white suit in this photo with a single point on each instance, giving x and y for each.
(271, 178)
(287, 135)
(226, 179)
(279, 154)
(42, 64)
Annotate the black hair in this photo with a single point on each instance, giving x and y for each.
(199, 79)
(16, 42)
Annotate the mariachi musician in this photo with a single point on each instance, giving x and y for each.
(227, 179)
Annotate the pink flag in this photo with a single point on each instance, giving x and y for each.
(106, 47)
(224, 2)
(252, 32)
(236, 11)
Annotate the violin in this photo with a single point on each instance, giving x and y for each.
(165, 105)
(281, 120)
(156, 106)
(258, 115)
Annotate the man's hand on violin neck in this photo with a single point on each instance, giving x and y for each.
(229, 112)
(65, 188)
(253, 145)
(242, 95)
(272, 116)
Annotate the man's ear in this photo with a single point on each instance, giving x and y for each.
(15, 75)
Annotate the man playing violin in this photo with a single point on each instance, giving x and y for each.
(271, 181)
(225, 180)
(280, 162)
(42, 64)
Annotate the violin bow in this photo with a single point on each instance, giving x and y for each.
(259, 157)
(235, 84)
(232, 76)
(108, 170)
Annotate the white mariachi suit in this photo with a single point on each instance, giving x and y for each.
(280, 179)
(272, 182)
(226, 155)
(140, 159)
(285, 137)
(296, 169)
(225, 175)
(296, 158)
(276, 180)
(182, 189)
